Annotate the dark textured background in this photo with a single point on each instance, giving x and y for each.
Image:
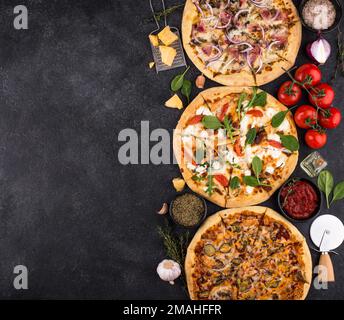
(84, 225)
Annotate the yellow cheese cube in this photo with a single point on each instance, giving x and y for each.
(154, 40)
(178, 184)
(166, 36)
(151, 65)
(167, 55)
(174, 102)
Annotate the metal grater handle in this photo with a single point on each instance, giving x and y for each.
(154, 17)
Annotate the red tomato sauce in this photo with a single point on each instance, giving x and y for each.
(299, 199)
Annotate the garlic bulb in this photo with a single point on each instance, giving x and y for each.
(200, 80)
(168, 270)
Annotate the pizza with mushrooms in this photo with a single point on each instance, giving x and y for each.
(248, 253)
(241, 42)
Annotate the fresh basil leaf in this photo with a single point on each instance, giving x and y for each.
(278, 118)
(338, 192)
(242, 98)
(259, 100)
(257, 166)
(186, 89)
(178, 81)
(325, 184)
(235, 183)
(211, 122)
(290, 142)
(251, 181)
(251, 135)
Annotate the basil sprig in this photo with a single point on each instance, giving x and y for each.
(278, 118)
(235, 183)
(186, 89)
(325, 184)
(178, 81)
(251, 136)
(257, 167)
(289, 142)
(211, 122)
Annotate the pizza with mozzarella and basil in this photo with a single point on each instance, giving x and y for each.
(235, 146)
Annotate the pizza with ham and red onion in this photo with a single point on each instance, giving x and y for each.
(248, 253)
(241, 42)
(230, 151)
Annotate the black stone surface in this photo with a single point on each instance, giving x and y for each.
(83, 224)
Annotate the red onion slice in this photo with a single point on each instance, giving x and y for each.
(196, 3)
(228, 63)
(249, 47)
(210, 8)
(276, 15)
(273, 43)
(236, 17)
(216, 57)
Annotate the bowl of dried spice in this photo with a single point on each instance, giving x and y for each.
(188, 210)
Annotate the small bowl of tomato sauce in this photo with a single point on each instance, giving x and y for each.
(299, 199)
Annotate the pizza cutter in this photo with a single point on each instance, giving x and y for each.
(327, 233)
(179, 60)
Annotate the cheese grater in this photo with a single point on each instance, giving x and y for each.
(179, 60)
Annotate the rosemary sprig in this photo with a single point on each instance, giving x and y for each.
(175, 245)
(340, 55)
(160, 14)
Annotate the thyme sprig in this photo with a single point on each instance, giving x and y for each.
(160, 14)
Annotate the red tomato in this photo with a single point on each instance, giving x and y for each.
(309, 74)
(237, 148)
(330, 118)
(195, 119)
(275, 144)
(304, 114)
(315, 139)
(223, 112)
(255, 113)
(221, 179)
(322, 95)
(289, 94)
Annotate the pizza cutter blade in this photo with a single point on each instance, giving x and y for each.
(327, 233)
(179, 60)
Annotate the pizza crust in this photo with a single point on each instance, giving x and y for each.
(224, 200)
(217, 218)
(244, 78)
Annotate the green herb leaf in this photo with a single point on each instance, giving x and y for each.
(278, 118)
(186, 89)
(251, 135)
(242, 98)
(257, 166)
(325, 184)
(211, 122)
(260, 99)
(197, 178)
(228, 127)
(290, 142)
(235, 183)
(251, 181)
(178, 81)
(338, 192)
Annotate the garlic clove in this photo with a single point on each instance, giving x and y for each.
(200, 81)
(164, 209)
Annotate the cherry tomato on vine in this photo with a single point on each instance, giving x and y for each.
(305, 116)
(289, 94)
(309, 74)
(315, 139)
(330, 118)
(321, 95)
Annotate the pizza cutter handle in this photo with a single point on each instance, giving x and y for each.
(326, 263)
